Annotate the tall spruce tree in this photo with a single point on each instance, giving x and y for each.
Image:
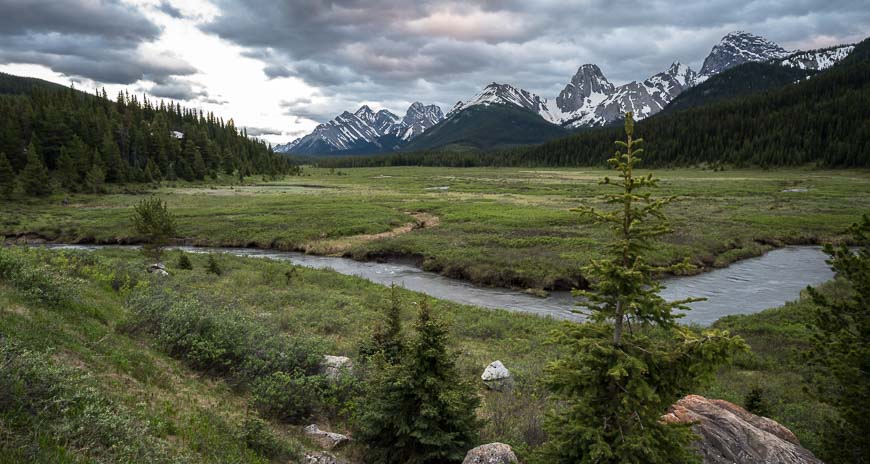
(34, 177)
(631, 361)
(419, 410)
(841, 351)
(7, 177)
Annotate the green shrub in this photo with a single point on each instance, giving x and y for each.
(288, 397)
(222, 340)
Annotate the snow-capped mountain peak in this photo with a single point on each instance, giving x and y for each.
(364, 128)
(737, 48)
(506, 94)
(417, 119)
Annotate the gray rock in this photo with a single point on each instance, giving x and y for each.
(729, 434)
(321, 458)
(335, 366)
(495, 371)
(497, 377)
(159, 269)
(327, 440)
(492, 453)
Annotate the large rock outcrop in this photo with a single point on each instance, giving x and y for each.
(729, 434)
(492, 453)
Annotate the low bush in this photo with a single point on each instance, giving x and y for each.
(220, 340)
(287, 397)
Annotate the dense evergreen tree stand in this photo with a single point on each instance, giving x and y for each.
(88, 140)
(418, 410)
(623, 369)
(841, 351)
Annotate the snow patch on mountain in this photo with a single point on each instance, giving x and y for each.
(817, 60)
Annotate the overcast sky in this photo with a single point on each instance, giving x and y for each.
(279, 67)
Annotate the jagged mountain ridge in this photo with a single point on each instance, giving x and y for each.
(590, 100)
(366, 131)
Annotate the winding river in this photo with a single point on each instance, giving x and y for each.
(745, 287)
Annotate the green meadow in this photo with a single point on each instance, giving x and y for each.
(496, 226)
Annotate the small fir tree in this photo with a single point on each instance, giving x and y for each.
(841, 350)
(184, 262)
(34, 177)
(387, 338)
(755, 402)
(631, 361)
(153, 221)
(7, 177)
(418, 411)
(213, 267)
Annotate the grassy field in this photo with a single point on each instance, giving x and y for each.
(70, 310)
(504, 227)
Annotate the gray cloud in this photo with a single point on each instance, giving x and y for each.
(261, 131)
(179, 89)
(441, 51)
(97, 40)
(274, 71)
(167, 8)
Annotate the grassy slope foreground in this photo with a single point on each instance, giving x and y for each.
(80, 383)
(506, 227)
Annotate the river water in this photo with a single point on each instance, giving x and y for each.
(745, 287)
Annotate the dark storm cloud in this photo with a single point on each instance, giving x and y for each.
(442, 51)
(93, 39)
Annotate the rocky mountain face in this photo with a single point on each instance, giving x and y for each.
(286, 147)
(417, 119)
(737, 48)
(591, 100)
(506, 94)
(365, 130)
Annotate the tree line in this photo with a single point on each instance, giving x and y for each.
(52, 137)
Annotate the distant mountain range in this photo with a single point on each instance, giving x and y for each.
(588, 100)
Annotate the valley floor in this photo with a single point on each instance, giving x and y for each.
(501, 227)
(69, 335)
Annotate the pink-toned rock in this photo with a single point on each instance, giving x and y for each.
(730, 434)
(492, 453)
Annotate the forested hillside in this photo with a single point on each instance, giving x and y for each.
(743, 80)
(56, 137)
(820, 121)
